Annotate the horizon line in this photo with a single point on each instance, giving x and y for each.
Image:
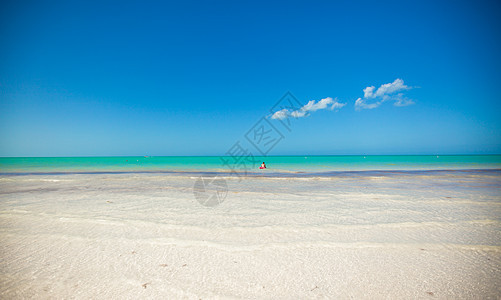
(277, 155)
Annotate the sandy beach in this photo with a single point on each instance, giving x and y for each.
(135, 236)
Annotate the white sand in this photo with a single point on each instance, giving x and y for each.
(145, 236)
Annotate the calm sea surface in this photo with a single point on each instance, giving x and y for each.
(276, 164)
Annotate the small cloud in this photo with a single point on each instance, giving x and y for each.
(390, 88)
(386, 92)
(336, 106)
(298, 114)
(369, 91)
(361, 104)
(280, 115)
(322, 104)
(400, 100)
(311, 106)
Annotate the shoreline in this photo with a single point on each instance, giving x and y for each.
(271, 174)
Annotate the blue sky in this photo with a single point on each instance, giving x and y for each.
(193, 77)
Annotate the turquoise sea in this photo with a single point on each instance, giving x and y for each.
(275, 164)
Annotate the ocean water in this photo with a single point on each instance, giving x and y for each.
(275, 164)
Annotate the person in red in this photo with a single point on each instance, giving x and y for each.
(263, 166)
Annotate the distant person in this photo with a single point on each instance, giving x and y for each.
(263, 166)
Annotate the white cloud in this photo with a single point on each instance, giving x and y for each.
(337, 106)
(362, 104)
(400, 100)
(373, 98)
(298, 114)
(369, 92)
(280, 115)
(311, 106)
(390, 88)
(322, 104)
(386, 92)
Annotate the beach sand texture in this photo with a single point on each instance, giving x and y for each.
(132, 236)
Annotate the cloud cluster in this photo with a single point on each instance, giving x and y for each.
(326, 103)
(386, 92)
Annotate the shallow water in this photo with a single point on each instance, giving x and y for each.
(280, 164)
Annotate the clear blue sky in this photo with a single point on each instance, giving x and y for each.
(192, 77)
